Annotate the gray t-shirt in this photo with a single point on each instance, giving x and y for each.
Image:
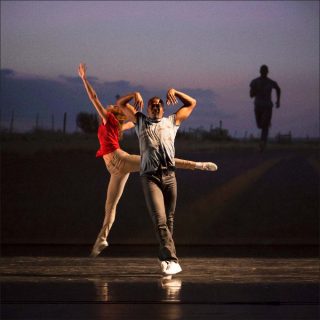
(262, 88)
(156, 140)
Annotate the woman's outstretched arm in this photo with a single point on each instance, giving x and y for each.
(90, 91)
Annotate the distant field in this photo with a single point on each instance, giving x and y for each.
(31, 143)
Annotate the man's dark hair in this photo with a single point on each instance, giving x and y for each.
(264, 69)
(155, 97)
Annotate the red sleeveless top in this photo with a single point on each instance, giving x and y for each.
(108, 135)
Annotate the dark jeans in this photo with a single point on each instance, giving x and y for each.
(160, 191)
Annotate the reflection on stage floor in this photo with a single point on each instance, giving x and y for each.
(133, 288)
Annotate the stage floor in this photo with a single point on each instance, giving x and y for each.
(108, 287)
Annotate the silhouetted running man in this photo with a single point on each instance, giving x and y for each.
(260, 89)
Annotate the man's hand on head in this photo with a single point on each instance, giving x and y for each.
(171, 97)
(138, 101)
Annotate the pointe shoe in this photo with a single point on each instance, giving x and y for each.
(98, 247)
(208, 166)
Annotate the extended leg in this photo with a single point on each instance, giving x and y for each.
(132, 164)
(192, 165)
(115, 189)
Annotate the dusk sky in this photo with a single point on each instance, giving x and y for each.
(210, 49)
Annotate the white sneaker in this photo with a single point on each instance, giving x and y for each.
(164, 265)
(173, 267)
(98, 247)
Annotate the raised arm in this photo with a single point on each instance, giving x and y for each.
(189, 104)
(90, 91)
(129, 110)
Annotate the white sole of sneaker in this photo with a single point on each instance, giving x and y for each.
(170, 273)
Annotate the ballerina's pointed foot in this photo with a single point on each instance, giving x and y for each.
(98, 247)
(207, 166)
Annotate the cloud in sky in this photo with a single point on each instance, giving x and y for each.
(29, 96)
(46, 97)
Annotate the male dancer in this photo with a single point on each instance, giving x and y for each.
(260, 89)
(157, 169)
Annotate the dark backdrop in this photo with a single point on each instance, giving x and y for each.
(57, 197)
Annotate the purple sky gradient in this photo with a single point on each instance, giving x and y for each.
(216, 45)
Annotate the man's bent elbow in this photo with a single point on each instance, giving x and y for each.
(193, 102)
(120, 104)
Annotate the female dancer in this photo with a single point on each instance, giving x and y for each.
(118, 162)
